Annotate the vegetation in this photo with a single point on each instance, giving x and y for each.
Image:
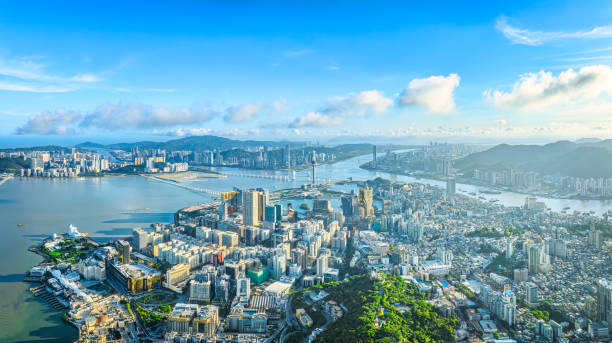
(12, 164)
(373, 317)
(503, 266)
(69, 250)
(149, 318)
(564, 157)
(465, 290)
(164, 308)
(486, 249)
(583, 229)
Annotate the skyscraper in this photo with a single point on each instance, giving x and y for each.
(604, 299)
(124, 250)
(366, 197)
(450, 188)
(373, 156)
(253, 206)
(534, 258)
(243, 286)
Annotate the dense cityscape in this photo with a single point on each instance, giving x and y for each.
(306, 171)
(261, 266)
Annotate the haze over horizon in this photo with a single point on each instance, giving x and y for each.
(342, 72)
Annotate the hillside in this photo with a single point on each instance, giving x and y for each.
(200, 143)
(588, 159)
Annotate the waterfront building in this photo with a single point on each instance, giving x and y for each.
(124, 249)
(134, 277)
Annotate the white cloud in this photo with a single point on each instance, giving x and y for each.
(316, 119)
(373, 100)
(340, 108)
(435, 93)
(34, 88)
(27, 75)
(333, 67)
(543, 89)
(201, 131)
(281, 105)
(242, 113)
(534, 38)
(138, 116)
(60, 122)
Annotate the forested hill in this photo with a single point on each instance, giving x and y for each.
(194, 143)
(588, 159)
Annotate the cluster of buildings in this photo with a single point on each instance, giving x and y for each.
(557, 184)
(260, 157)
(59, 163)
(232, 263)
(497, 281)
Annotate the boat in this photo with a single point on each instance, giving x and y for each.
(20, 225)
(488, 191)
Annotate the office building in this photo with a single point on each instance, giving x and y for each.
(531, 298)
(243, 287)
(450, 188)
(124, 249)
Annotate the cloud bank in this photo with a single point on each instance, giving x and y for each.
(535, 38)
(543, 89)
(338, 109)
(434, 93)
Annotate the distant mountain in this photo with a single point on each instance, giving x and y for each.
(195, 143)
(588, 159)
(587, 140)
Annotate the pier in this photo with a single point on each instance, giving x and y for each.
(42, 292)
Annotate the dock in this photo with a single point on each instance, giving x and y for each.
(41, 291)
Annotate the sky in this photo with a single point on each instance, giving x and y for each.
(317, 70)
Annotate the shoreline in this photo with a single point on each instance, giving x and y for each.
(499, 189)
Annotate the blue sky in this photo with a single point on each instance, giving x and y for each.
(110, 72)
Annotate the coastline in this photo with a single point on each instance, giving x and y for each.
(469, 181)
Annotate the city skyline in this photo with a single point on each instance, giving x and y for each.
(341, 71)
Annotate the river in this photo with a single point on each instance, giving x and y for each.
(110, 207)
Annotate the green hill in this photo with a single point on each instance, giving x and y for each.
(589, 159)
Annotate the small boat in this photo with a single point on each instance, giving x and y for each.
(20, 225)
(147, 209)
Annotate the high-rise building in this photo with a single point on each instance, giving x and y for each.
(535, 252)
(287, 156)
(177, 274)
(366, 197)
(199, 290)
(140, 238)
(450, 188)
(278, 266)
(531, 297)
(252, 207)
(124, 250)
(321, 265)
(374, 156)
(243, 287)
(348, 204)
(604, 299)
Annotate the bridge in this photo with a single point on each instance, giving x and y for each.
(210, 192)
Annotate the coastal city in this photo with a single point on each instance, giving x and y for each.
(306, 171)
(255, 265)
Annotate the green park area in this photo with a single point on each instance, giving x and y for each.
(372, 312)
(69, 250)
